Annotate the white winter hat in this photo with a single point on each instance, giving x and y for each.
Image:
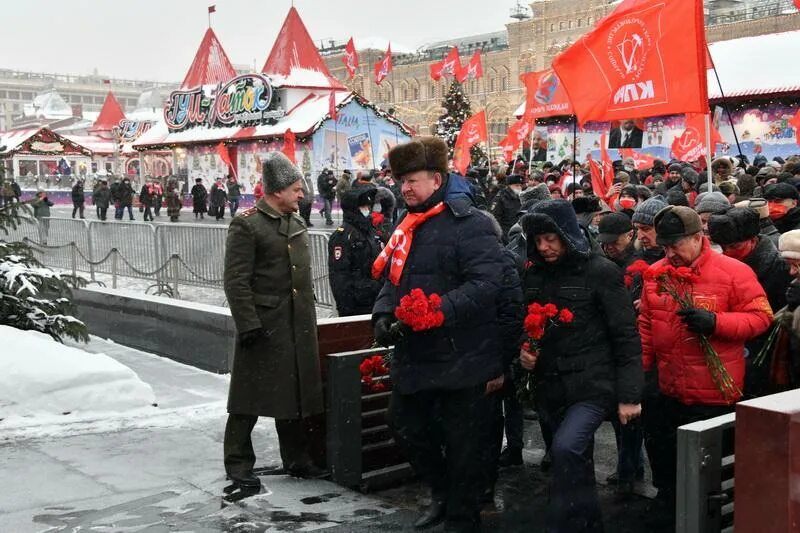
(789, 244)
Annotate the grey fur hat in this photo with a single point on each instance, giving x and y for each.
(533, 195)
(645, 213)
(278, 172)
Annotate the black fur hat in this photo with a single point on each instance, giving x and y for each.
(421, 153)
(734, 225)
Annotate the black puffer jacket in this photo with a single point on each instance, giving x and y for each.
(505, 208)
(456, 255)
(788, 222)
(771, 270)
(598, 356)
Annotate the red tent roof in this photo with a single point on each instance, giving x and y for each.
(295, 51)
(109, 116)
(211, 64)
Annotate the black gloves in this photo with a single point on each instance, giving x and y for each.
(793, 296)
(699, 320)
(387, 332)
(248, 338)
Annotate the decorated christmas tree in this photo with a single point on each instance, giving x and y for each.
(458, 109)
(33, 297)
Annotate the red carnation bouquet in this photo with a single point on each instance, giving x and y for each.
(677, 282)
(377, 218)
(372, 369)
(538, 320)
(420, 312)
(635, 272)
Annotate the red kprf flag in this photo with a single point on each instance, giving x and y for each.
(350, 58)
(509, 146)
(222, 151)
(288, 146)
(332, 105)
(212, 9)
(384, 66)
(449, 66)
(472, 132)
(795, 120)
(472, 70)
(647, 58)
(691, 144)
(545, 95)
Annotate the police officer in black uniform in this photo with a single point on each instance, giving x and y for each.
(352, 249)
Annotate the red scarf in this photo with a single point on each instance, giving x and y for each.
(399, 244)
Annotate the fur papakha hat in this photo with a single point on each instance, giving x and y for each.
(422, 153)
(278, 172)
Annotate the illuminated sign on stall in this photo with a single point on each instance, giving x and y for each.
(130, 130)
(245, 100)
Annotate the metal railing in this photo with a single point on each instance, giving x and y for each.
(705, 476)
(166, 255)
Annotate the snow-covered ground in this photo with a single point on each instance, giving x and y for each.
(156, 468)
(42, 381)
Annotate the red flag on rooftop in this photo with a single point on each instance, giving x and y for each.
(449, 66)
(545, 95)
(646, 58)
(350, 58)
(332, 105)
(691, 144)
(472, 132)
(106, 82)
(288, 148)
(384, 66)
(472, 70)
(212, 9)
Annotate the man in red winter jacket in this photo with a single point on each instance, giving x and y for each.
(730, 307)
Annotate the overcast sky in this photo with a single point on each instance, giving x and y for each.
(157, 39)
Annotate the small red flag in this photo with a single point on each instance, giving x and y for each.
(332, 105)
(350, 58)
(472, 132)
(691, 144)
(647, 58)
(795, 120)
(449, 66)
(509, 146)
(222, 151)
(384, 66)
(288, 146)
(212, 9)
(472, 70)
(545, 94)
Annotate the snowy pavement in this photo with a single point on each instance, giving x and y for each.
(155, 470)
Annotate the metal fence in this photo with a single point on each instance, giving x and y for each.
(705, 476)
(167, 255)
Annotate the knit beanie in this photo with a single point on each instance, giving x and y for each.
(711, 202)
(646, 211)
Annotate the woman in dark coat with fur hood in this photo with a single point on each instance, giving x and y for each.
(585, 370)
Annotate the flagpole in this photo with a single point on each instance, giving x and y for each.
(574, 151)
(488, 131)
(394, 105)
(530, 150)
(708, 151)
(724, 103)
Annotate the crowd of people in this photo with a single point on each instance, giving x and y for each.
(631, 355)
